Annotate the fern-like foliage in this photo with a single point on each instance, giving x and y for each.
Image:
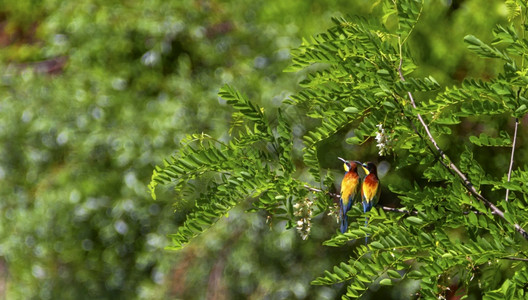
(360, 77)
(228, 173)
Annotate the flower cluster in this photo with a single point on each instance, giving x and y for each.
(333, 211)
(384, 142)
(304, 210)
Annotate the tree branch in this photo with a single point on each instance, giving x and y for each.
(516, 258)
(385, 208)
(451, 166)
(512, 153)
(311, 189)
(421, 137)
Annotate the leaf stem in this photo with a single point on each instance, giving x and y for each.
(512, 154)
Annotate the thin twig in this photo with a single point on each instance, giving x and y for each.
(333, 195)
(451, 166)
(512, 153)
(386, 208)
(399, 210)
(421, 137)
(515, 258)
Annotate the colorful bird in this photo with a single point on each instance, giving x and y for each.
(370, 189)
(350, 187)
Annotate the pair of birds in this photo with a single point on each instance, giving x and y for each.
(353, 187)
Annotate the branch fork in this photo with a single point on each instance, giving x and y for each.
(454, 169)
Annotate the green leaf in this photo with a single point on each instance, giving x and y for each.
(415, 274)
(485, 140)
(351, 110)
(354, 140)
(473, 218)
(522, 110)
(482, 49)
(377, 245)
(393, 274)
(385, 282)
(415, 220)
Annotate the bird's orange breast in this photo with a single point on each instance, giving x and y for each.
(369, 189)
(349, 185)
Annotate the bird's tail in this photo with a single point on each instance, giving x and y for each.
(367, 206)
(343, 216)
(344, 223)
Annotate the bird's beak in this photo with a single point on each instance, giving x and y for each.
(341, 159)
(358, 163)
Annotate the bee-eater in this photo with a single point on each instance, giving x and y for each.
(350, 187)
(370, 189)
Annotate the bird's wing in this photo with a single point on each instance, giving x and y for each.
(349, 189)
(357, 195)
(377, 196)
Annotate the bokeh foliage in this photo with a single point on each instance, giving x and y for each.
(95, 93)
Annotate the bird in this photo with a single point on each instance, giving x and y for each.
(370, 189)
(350, 188)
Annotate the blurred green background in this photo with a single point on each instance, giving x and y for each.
(94, 94)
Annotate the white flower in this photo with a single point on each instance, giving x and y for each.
(303, 210)
(383, 141)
